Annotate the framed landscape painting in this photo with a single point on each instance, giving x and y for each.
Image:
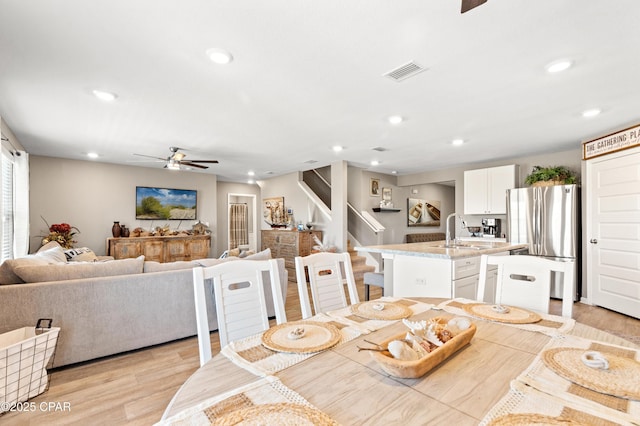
(165, 203)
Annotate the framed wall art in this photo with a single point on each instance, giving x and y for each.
(273, 211)
(423, 212)
(374, 187)
(165, 203)
(386, 194)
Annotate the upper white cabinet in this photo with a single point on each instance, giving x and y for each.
(485, 189)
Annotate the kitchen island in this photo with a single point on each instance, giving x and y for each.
(433, 269)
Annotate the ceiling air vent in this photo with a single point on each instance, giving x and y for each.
(311, 161)
(405, 71)
(379, 149)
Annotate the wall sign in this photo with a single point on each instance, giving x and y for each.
(624, 139)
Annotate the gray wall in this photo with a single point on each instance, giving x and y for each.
(571, 159)
(91, 196)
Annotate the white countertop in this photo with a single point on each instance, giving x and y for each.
(435, 249)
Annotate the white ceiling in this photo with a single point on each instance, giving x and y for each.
(307, 75)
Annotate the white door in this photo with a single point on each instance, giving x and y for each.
(613, 231)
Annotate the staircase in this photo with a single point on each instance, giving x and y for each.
(358, 263)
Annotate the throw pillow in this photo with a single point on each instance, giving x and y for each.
(212, 262)
(50, 253)
(80, 254)
(261, 255)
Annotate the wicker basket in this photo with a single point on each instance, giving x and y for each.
(25, 354)
(420, 367)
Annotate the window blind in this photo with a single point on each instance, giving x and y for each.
(7, 206)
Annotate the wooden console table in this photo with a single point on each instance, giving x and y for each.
(288, 244)
(161, 249)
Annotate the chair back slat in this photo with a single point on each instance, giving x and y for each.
(241, 308)
(525, 281)
(327, 273)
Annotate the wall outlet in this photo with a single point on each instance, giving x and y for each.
(421, 281)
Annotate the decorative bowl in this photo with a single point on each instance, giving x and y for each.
(420, 367)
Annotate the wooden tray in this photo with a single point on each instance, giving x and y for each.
(420, 367)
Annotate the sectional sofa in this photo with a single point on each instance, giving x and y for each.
(108, 307)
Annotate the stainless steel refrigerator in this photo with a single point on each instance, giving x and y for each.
(548, 220)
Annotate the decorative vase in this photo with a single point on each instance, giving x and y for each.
(116, 230)
(124, 231)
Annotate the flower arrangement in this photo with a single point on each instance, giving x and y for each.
(62, 233)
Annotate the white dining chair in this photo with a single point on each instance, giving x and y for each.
(241, 308)
(525, 281)
(326, 281)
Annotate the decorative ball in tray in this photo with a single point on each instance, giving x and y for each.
(428, 343)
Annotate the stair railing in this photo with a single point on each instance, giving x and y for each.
(361, 225)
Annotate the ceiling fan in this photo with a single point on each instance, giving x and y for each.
(176, 159)
(467, 5)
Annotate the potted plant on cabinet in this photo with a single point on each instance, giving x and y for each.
(548, 176)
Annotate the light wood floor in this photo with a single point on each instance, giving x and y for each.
(135, 388)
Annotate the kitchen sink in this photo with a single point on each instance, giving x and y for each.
(461, 247)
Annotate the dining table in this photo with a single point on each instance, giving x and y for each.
(499, 370)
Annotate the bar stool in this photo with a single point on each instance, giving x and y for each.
(372, 278)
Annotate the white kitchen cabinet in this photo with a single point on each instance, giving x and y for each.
(485, 189)
(465, 276)
(466, 287)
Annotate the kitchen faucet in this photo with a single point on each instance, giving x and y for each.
(448, 234)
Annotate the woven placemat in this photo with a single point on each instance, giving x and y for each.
(515, 315)
(621, 379)
(389, 311)
(317, 337)
(275, 414)
(532, 419)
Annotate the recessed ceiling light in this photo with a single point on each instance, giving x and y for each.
(591, 112)
(396, 119)
(251, 182)
(559, 66)
(92, 155)
(457, 142)
(219, 56)
(375, 162)
(251, 173)
(394, 172)
(337, 148)
(105, 96)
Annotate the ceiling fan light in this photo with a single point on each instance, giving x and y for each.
(173, 165)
